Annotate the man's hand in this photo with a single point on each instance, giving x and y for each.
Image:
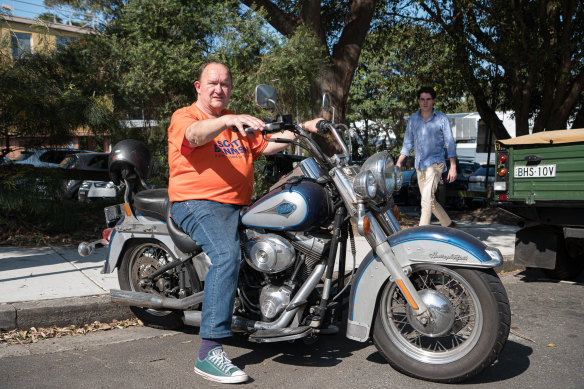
(400, 161)
(310, 125)
(451, 173)
(203, 131)
(239, 121)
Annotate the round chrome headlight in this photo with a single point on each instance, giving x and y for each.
(365, 185)
(382, 167)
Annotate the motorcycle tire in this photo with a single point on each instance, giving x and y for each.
(139, 260)
(473, 324)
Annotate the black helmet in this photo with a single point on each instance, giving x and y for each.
(129, 157)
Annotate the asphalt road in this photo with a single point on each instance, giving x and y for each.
(549, 353)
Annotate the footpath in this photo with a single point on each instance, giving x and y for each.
(41, 287)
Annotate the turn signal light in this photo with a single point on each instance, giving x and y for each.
(502, 158)
(366, 225)
(502, 172)
(395, 211)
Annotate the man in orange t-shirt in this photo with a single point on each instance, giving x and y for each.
(211, 177)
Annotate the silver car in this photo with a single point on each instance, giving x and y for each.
(96, 190)
(480, 186)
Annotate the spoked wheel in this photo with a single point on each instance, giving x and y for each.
(142, 260)
(471, 320)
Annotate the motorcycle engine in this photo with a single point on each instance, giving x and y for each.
(273, 300)
(269, 253)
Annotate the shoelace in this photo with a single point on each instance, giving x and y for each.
(219, 358)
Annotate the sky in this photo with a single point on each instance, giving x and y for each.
(33, 8)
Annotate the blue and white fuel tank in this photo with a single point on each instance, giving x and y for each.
(298, 206)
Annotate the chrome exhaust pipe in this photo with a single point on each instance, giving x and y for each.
(84, 249)
(148, 300)
(193, 318)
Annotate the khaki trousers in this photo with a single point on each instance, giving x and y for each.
(428, 183)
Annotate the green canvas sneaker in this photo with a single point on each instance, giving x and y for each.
(217, 367)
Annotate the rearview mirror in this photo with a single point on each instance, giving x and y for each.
(265, 96)
(326, 102)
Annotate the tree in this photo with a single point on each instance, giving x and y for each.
(339, 26)
(148, 54)
(44, 99)
(526, 56)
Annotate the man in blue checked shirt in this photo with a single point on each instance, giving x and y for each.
(429, 132)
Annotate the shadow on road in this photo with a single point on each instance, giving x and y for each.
(513, 361)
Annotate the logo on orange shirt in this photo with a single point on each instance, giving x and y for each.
(230, 149)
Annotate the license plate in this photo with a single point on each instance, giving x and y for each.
(539, 171)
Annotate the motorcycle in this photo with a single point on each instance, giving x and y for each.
(427, 296)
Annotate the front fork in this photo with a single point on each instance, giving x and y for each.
(369, 227)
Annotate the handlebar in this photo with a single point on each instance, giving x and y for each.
(269, 128)
(323, 126)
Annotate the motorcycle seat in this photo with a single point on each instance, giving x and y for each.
(154, 203)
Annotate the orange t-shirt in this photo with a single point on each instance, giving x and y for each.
(220, 170)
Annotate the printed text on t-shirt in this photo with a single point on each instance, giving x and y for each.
(230, 149)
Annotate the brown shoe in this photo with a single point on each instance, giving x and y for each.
(453, 225)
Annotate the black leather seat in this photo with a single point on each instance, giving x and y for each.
(154, 203)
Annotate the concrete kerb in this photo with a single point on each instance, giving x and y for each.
(61, 312)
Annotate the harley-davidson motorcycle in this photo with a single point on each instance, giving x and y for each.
(427, 296)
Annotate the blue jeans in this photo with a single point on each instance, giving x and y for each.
(214, 227)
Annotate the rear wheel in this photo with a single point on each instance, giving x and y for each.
(141, 260)
(470, 327)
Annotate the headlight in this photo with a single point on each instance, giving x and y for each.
(365, 185)
(382, 167)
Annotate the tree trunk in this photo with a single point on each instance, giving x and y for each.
(337, 78)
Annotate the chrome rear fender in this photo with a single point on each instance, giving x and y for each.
(426, 244)
(132, 229)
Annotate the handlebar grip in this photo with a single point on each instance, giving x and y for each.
(322, 126)
(245, 128)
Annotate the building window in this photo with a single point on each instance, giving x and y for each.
(64, 41)
(21, 44)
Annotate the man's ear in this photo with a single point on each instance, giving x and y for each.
(197, 86)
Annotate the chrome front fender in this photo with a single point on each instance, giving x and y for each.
(426, 244)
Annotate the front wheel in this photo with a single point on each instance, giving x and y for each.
(470, 327)
(142, 259)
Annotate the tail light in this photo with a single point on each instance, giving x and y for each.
(501, 183)
(106, 234)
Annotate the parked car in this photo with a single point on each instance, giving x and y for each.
(481, 187)
(45, 157)
(405, 195)
(86, 161)
(453, 194)
(90, 190)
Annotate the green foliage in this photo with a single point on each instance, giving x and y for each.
(290, 66)
(260, 184)
(45, 97)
